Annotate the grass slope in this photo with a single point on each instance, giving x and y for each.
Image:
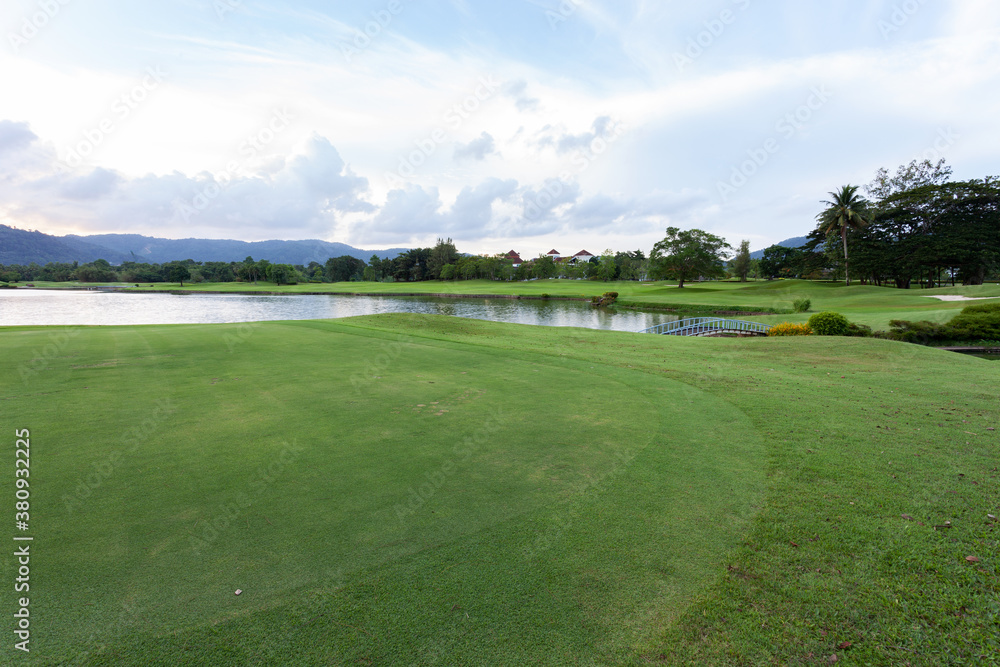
(588, 497)
(568, 509)
(871, 445)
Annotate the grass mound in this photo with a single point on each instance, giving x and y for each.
(377, 496)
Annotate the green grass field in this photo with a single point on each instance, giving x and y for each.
(423, 490)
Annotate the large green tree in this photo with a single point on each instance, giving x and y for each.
(98, 271)
(741, 262)
(908, 176)
(924, 230)
(781, 262)
(925, 226)
(607, 270)
(411, 266)
(444, 252)
(688, 254)
(847, 210)
(344, 268)
(632, 265)
(282, 274)
(177, 272)
(377, 269)
(248, 270)
(544, 267)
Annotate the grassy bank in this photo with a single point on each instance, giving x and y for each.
(422, 490)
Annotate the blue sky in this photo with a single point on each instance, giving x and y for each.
(526, 124)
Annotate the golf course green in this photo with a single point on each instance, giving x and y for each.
(408, 489)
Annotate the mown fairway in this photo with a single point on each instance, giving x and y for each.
(423, 490)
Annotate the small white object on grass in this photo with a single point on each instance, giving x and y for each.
(239, 590)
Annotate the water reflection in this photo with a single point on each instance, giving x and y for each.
(52, 307)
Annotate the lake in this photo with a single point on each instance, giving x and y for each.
(80, 307)
(988, 357)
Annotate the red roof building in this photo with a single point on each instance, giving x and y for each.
(514, 258)
(581, 257)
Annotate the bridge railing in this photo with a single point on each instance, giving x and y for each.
(700, 326)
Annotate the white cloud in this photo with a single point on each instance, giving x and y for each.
(98, 183)
(15, 136)
(518, 91)
(416, 214)
(304, 197)
(557, 90)
(565, 142)
(477, 149)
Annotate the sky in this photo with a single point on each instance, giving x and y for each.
(522, 124)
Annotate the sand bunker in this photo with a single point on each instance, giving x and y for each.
(956, 297)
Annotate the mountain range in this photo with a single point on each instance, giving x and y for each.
(18, 246)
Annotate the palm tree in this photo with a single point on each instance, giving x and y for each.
(847, 210)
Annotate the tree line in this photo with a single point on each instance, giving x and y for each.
(443, 261)
(914, 226)
(101, 271)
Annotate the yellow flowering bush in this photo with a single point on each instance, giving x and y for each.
(789, 329)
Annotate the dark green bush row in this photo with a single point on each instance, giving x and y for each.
(859, 330)
(980, 324)
(974, 323)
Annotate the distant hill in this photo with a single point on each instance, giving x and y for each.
(18, 246)
(796, 242)
(158, 250)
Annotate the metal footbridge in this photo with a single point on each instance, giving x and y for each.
(708, 326)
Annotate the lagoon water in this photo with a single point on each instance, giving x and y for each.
(75, 307)
(988, 357)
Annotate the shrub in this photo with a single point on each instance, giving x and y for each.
(606, 300)
(789, 329)
(980, 322)
(976, 322)
(918, 332)
(859, 330)
(982, 308)
(829, 324)
(801, 305)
